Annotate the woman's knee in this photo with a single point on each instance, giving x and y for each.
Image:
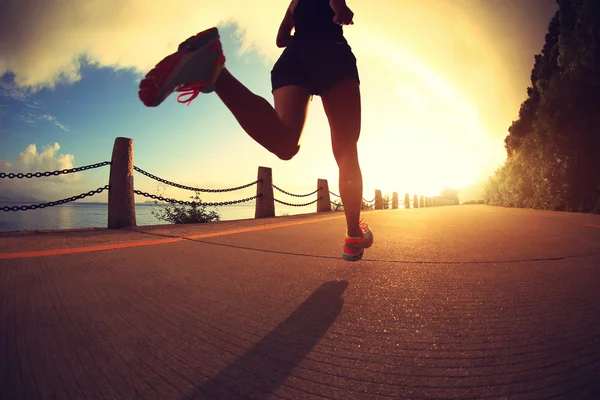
(345, 151)
(288, 153)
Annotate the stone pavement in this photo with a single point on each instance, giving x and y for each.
(459, 302)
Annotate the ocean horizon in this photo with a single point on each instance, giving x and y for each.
(77, 215)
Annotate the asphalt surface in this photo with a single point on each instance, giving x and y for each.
(458, 302)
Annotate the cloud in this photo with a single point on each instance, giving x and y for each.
(8, 90)
(29, 110)
(52, 119)
(466, 58)
(43, 42)
(32, 160)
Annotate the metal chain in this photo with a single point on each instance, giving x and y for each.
(296, 195)
(336, 195)
(54, 203)
(177, 185)
(368, 201)
(21, 175)
(298, 205)
(193, 203)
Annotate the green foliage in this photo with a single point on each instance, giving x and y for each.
(337, 205)
(187, 214)
(474, 202)
(387, 201)
(553, 145)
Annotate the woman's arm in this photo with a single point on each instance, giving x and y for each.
(343, 15)
(284, 35)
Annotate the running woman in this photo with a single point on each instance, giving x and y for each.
(317, 60)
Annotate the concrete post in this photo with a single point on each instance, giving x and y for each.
(394, 200)
(421, 201)
(406, 201)
(121, 203)
(378, 200)
(324, 203)
(415, 201)
(265, 204)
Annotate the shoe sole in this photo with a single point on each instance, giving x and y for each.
(354, 257)
(161, 79)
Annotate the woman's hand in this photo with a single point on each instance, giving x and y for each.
(343, 15)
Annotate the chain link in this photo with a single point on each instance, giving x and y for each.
(336, 195)
(368, 201)
(296, 195)
(177, 185)
(193, 203)
(21, 175)
(298, 205)
(54, 203)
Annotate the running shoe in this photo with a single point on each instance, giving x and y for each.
(354, 248)
(194, 68)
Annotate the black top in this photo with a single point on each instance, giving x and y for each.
(313, 21)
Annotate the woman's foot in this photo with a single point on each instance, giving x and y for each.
(194, 68)
(354, 247)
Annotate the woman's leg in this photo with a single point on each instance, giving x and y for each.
(343, 108)
(276, 129)
(198, 66)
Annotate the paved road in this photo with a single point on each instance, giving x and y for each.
(462, 302)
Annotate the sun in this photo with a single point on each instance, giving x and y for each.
(422, 134)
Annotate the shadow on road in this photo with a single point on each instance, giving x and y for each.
(264, 367)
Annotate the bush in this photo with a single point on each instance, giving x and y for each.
(474, 202)
(386, 201)
(337, 205)
(185, 214)
(366, 206)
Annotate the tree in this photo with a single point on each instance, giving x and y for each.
(552, 147)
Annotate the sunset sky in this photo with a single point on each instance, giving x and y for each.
(441, 82)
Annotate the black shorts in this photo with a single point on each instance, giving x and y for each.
(318, 66)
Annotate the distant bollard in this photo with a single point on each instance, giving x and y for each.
(406, 201)
(324, 202)
(121, 201)
(378, 200)
(421, 203)
(394, 200)
(415, 201)
(265, 203)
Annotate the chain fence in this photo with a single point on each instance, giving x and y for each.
(28, 175)
(194, 203)
(296, 195)
(297, 205)
(195, 189)
(21, 175)
(56, 202)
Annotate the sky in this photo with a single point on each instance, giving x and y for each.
(441, 82)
